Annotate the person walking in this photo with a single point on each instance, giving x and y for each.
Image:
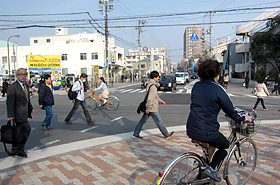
(221, 80)
(46, 101)
(260, 93)
(247, 80)
(5, 86)
(276, 85)
(226, 80)
(79, 88)
(19, 109)
(68, 84)
(152, 109)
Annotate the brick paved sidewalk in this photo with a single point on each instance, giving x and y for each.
(137, 162)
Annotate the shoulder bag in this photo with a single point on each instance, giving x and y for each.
(142, 105)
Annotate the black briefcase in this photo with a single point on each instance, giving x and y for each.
(11, 133)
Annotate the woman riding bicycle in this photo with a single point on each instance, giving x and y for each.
(105, 93)
(207, 99)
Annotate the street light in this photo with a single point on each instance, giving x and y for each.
(9, 55)
(202, 37)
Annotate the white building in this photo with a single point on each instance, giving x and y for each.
(79, 52)
(135, 57)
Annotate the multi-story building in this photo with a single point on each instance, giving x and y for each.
(79, 52)
(139, 62)
(193, 48)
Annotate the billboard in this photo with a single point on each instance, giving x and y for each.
(44, 62)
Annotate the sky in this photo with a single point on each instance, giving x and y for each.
(165, 20)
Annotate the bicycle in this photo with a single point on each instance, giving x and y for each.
(240, 162)
(92, 101)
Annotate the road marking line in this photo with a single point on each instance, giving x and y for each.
(117, 119)
(168, 92)
(142, 91)
(88, 129)
(135, 91)
(126, 90)
(180, 91)
(189, 91)
(42, 146)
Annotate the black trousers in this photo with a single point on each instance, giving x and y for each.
(221, 143)
(258, 101)
(19, 148)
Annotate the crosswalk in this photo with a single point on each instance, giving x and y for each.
(130, 90)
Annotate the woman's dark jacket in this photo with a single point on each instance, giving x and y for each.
(45, 95)
(207, 99)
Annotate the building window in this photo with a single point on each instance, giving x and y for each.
(83, 56)
(142, 65)
(4, 60)
(133, 57)
(48, 40)
(35, 41)
(94, 56)
(64, 57)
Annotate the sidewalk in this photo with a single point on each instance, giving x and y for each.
(121, 159)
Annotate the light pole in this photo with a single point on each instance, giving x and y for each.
(9, 55)
(202, 37)
(109, 6)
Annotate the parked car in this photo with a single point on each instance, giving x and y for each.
(187, 77)
(167, 82)
(194, 76)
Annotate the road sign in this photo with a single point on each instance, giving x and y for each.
(113, 59)
(194, 37)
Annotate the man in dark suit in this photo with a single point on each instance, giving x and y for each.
(19, 109)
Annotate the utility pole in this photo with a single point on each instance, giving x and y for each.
(109, 6)
(140, 30)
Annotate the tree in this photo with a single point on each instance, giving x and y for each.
(265, 47)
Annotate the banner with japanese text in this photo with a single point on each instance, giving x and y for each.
(44, 62)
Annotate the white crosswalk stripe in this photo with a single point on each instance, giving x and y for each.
(134, 91)
(180, 91)
(126, 90)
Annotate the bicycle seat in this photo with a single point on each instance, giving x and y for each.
(201, 143)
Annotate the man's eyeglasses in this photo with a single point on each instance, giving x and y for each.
(25, 74)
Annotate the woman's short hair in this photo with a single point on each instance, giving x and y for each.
(208, 69)
(261, 80)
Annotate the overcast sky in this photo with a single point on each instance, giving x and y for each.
(166, 19)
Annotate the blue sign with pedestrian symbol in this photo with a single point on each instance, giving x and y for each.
(194, 37)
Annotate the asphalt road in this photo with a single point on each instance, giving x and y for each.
(123, 120)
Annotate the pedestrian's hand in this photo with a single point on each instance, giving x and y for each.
(11, 119)
(248, 119)
(40, 106)
(147, 111)
(81, 86)
(163, 103)
(33, 111)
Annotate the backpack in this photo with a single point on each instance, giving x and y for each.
(72, 94)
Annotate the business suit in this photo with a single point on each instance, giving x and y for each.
(19, 108)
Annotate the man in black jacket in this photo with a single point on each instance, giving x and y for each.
(19, 109)
(4, 87)
(46, 101)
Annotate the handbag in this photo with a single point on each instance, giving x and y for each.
(11, 134)
(142, 105)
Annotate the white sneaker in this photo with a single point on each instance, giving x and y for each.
(213, 174)
(104, 101)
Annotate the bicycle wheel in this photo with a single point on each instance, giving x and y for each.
(184, 169)
(112, 103)
(91, 103)
(241, 162)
